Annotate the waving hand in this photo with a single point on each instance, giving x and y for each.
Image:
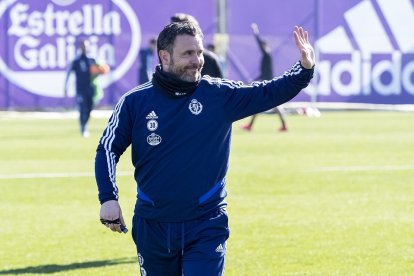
(307, 54)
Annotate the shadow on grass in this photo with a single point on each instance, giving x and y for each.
(54, 268)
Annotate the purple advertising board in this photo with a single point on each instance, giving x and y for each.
(364, 48)
(39, 41)
(366, 54)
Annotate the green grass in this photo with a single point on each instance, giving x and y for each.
(333, 196)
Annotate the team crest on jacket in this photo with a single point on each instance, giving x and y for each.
(154, 139)
(195, 107)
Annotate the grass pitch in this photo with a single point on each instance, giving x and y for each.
(332, 196)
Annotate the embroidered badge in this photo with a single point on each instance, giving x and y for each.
(195, 107)
(154, 139)
(140, 259)
(152, 125)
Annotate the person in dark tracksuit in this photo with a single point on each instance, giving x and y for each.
(84, 88)
(266, 73)
(147, 61)
(179, 128)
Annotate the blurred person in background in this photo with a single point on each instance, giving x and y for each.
(218, 58)
(211, 60)
(266, 73)
(147, 61)
(88, 90)
(179, 128)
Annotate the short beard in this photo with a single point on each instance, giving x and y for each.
(182, 74)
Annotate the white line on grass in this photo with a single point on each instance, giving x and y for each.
(53, 175)
(124, 173)
(363, 168)
(49, 115)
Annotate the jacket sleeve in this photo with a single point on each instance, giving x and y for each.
(114, 141)
(245, 100)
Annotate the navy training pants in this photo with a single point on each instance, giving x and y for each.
(193, 248)
(85, 105)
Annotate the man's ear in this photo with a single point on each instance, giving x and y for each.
(164, 57)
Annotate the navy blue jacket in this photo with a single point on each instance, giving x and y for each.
(180, 145)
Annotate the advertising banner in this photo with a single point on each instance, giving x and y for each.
(367, 53)
(39, 40)
(365, 48)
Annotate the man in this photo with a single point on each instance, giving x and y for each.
(266, 73)
(211, 60)
(83, 66)
(147, 58)
(179, 126)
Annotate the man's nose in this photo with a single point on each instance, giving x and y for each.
(198, 59)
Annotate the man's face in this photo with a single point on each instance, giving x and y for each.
(186, 60)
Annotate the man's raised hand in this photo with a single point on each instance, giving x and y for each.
(307, 54)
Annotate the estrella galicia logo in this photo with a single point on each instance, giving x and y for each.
(154, 139)
(195, 107)
(42, 40)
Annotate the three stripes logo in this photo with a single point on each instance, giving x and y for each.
(221, 248)
(152, 115)
(371, 53)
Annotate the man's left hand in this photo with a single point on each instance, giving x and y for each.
(307, 54)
